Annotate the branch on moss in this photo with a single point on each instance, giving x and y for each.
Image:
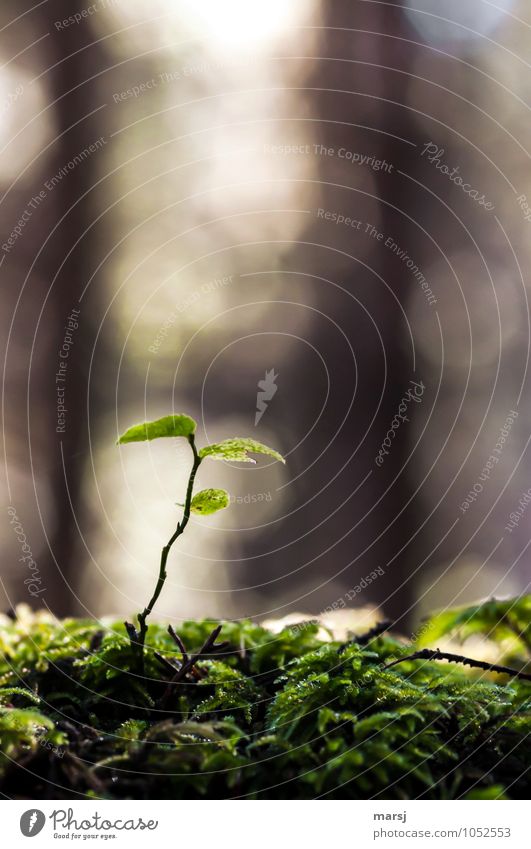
(168, 666)
(96, 641)
(363, 639)
(175, 637)
(435, 654)
(132, 633)
(187, 666)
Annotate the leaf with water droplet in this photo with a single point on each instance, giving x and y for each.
(238, 449)
(209, 501)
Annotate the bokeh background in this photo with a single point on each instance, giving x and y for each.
(198, 193)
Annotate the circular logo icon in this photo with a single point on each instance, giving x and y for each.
(31, 822)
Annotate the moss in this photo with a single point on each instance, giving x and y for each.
(262, 715)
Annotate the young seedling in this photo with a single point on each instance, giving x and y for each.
(203, 503)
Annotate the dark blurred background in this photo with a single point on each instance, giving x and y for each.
(329, 198)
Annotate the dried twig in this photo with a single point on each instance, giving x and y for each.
(132, 633)
(96, 641)
(365, 638)
(168, 666)
(188, 665)
(210, 641)
(436, 654)
(175, 637)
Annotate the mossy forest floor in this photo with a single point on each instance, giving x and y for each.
(293, 715)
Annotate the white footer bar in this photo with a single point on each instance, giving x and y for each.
(267, 824)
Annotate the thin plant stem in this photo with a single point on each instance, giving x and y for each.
(142, 617)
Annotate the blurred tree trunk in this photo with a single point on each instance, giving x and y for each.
(360, 32)
(367, 525)
(70, 63)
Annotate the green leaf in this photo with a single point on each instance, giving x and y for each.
(209, 501)
(496, 620)
(178, 425)
(238, 449)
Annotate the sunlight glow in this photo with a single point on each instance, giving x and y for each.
(25, 125)
(240, 23)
